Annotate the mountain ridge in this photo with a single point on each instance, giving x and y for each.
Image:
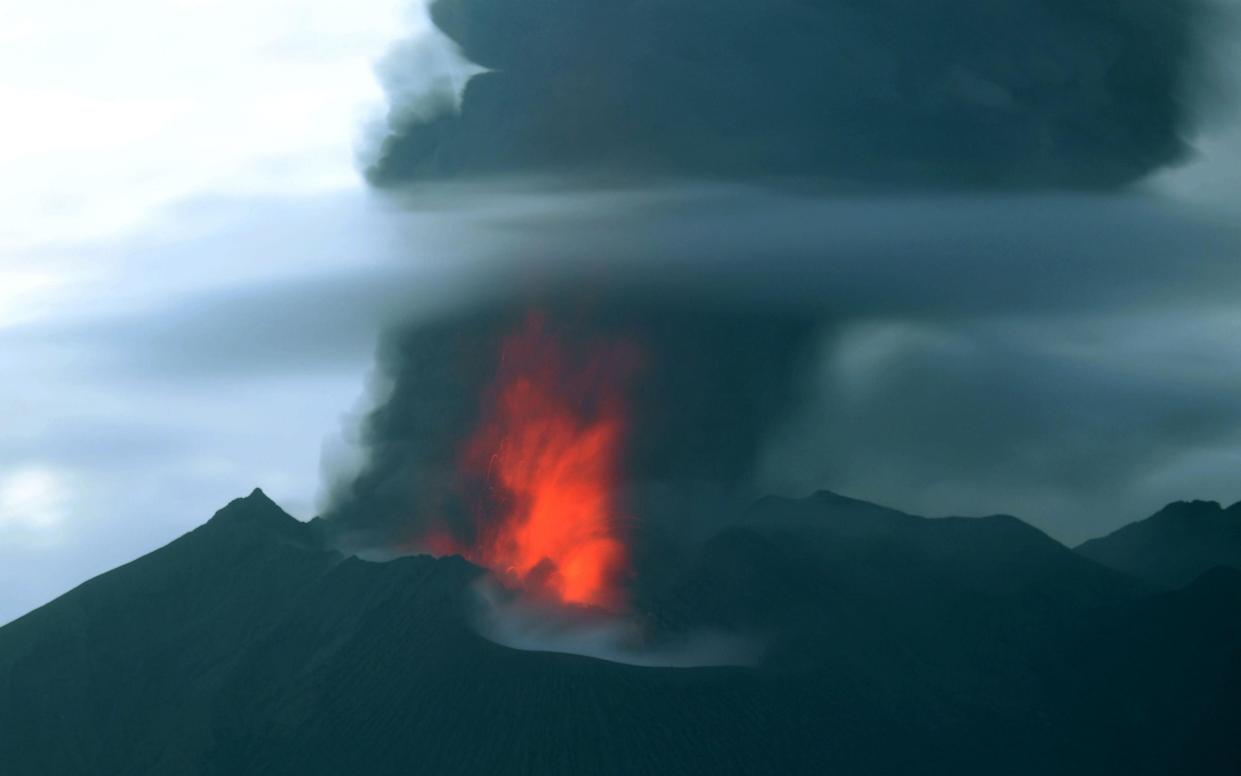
(980, 645)
(1175, 545)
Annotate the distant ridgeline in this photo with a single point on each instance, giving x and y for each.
(895, 644)
(1174, 546)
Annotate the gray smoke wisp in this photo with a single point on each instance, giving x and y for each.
(521, 623)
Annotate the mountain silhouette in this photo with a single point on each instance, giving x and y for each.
(1174, 546)
(892, 644)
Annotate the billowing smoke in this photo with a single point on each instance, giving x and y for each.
(1023, 93)
(713, 382)
(731, 296)
(737, 298)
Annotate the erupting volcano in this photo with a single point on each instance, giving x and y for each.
(542, 467)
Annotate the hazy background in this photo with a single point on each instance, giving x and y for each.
(193, 279)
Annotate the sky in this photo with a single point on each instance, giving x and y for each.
(194, 277)
(158, 157)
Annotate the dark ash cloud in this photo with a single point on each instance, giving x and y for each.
(712, 382)
(742, 297)
(1025, 93)
(574, 146)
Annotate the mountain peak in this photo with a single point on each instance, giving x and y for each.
(256, 506)
(1175, 545)
(257, 512)
(1194, 507)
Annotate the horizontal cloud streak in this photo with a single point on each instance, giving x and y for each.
(956, 314)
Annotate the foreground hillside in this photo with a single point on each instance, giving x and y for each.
(892, 644)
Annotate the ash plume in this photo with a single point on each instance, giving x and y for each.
(634, 171)
(1089, 94)
(714, 381)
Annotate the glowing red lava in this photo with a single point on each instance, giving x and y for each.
(549, 450)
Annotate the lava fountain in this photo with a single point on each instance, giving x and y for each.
(542, 468)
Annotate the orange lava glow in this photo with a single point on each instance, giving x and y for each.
(549, 451)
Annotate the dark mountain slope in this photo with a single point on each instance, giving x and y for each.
(1175, 545)
(896, 645)
(244, 647)
(115, 672)
(1155, 684)
(951, 620)
(408, 688)
(832, 552)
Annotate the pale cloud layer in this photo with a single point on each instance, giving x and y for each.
(115, 109)
(31, 504)
(155, 154)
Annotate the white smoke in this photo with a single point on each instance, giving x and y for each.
(519, 622)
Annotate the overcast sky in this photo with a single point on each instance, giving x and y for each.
(193, 279)
(156, 155)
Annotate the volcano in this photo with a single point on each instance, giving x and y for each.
(543, 470)
(895, 644)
